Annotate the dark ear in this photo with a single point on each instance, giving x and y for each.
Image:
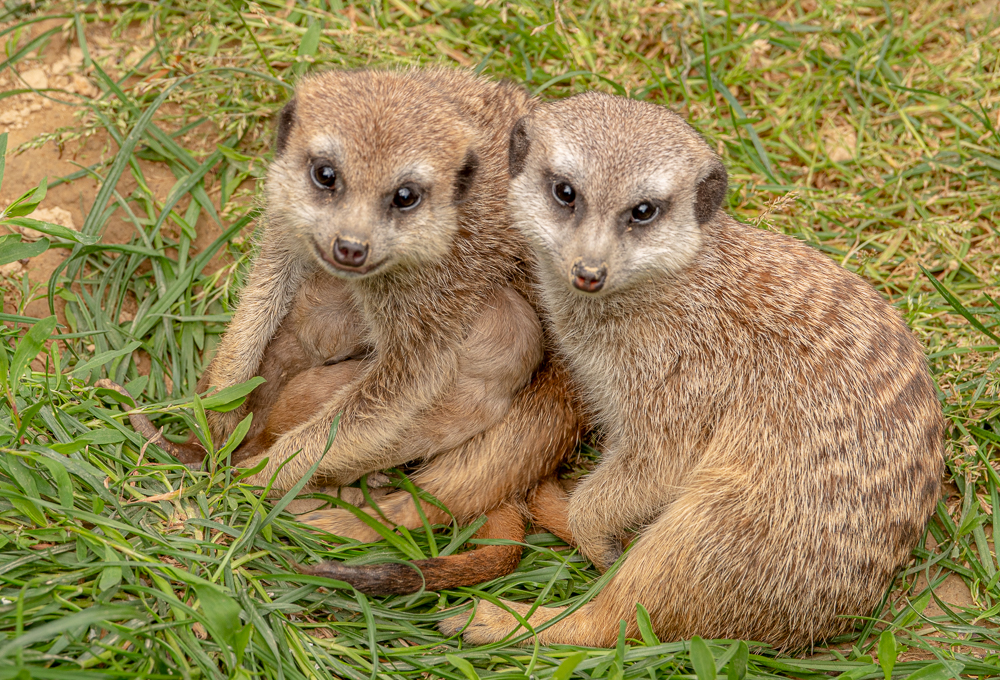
(285, 120)
(711, 190)
(466, 174)
(519, 146)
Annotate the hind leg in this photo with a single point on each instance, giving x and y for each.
(535, 436)
(596, 624)
(648, 575)
(300, 397)
(548, 506)
(725, 560)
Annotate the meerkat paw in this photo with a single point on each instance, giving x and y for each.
(491, 623)
(340, 522)
(602, 551)
(379, 484)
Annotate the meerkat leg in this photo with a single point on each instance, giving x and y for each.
(264, 303)
(401, 411)
(539, 431)
(611, 500)
(548, 506)
(659, 572)
(485, 563)
(297, 402)
(372, 415)
(708, 566)
(283, 360)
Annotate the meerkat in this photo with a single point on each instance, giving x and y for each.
(770, 421)
(394, 183)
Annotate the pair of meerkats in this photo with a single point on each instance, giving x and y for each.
(768, 421)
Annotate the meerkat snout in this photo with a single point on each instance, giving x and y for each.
(589, 277)
(349, 252)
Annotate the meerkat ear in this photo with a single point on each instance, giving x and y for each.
(711, 191)
(467, 173)
(519, 146)
(285, 120)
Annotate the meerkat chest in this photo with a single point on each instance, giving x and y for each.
(646, 362)
(617, 366)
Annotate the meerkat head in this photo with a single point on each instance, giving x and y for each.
(371, 169)
(611, 191)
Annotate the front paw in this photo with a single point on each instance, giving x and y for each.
(304, 503)
(221, 425)
(603, 552)
(373, 486)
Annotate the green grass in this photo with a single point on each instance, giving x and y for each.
(868, 129)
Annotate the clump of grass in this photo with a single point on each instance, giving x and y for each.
(867, 129)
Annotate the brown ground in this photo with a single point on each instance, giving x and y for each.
(27, 118)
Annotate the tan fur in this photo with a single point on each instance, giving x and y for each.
(769, 420)
(548, 505)
(501, 462)
(323, 329)
(299, 401)
(457, 375)
(323, 326)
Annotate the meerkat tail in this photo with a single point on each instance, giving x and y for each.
(485, 563)
(548, 506)
(189, 452)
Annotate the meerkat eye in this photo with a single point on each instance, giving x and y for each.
(405, 198)
(324, 175)
(644, 212)
(564, 193)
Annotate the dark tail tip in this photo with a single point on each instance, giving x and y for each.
(391, 578)
(402, 578)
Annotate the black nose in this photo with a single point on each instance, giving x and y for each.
(349, 252)
(589, 279)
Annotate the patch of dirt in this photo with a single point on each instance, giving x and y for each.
(23, 117)
(59, 65)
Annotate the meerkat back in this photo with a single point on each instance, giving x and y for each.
(770, 421)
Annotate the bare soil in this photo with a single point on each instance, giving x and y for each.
(48, 138)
